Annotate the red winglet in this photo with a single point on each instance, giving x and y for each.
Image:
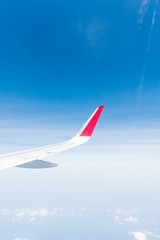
(87, 132)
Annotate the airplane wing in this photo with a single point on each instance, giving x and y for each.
(28, 156)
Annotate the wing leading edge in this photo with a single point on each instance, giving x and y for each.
(13, 159)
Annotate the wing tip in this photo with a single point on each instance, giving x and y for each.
(88, 130)
(101, 106)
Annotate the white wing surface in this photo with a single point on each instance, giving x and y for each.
(13, 159)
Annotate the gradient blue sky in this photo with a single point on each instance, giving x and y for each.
(65, 57)
(59, 60)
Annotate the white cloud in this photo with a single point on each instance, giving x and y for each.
(32, 214)
(131, 219)
(144, 235)
(138, 235)
(19, 214)
(125, 216)
(18, 238)
(116, 218)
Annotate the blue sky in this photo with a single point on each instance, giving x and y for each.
(73, 56)
(59, 60)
